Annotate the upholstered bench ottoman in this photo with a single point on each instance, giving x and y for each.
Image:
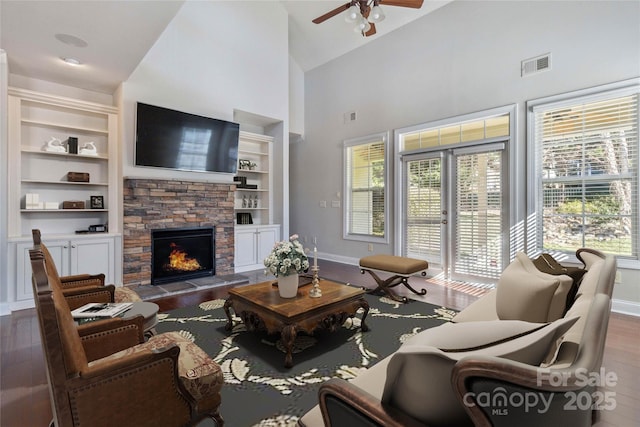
(401, 268)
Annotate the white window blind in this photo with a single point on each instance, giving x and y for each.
(587, 160)
(365, 189)
(478, 214)
(423, 239)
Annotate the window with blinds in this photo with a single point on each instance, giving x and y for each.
(587, 161)
(365, 170)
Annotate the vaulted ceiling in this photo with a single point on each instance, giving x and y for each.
(36, 34)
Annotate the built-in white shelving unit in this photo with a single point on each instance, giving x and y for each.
(33, 119)
(255, 234)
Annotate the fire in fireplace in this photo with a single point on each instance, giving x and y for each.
(181, 254)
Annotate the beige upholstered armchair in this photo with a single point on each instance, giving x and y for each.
(81, 289)
(103, 374)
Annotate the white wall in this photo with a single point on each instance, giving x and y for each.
(216, 59)
(462, 58)
(213, 58)
(4, 188)
(296, 98)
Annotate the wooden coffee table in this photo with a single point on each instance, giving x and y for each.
(261, 308)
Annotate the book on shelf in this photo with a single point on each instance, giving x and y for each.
(98, 309)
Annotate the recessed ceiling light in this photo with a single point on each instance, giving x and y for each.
(71, 40)
(71, 61)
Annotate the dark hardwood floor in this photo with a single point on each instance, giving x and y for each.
(24, 396)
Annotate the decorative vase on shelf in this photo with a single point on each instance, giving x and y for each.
(288, 285)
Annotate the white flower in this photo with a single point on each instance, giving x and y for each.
(286, 257)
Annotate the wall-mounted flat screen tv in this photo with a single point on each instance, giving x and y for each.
(176, 140)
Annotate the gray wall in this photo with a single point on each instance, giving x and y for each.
(462, 58)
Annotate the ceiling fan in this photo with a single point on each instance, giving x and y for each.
(366, 13)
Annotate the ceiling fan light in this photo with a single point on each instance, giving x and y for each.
(353, 13)
(376, 15)
(362, 26)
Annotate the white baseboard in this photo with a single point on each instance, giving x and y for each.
(625, 307)
(339, 258)
(7, 308)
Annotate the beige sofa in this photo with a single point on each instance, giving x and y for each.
(521, 355)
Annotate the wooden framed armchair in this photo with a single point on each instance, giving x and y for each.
(81, 289)
(103, 374)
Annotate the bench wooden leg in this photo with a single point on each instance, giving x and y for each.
(391, 282)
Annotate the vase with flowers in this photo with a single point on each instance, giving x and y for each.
(286, 260)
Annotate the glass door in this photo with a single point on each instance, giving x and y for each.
(425, 208)
(478, 215)
(455, 211)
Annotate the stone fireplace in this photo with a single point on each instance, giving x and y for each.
(157, 204)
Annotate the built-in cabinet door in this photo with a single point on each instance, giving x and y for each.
(267, 237)
(59, 250)
(93, 257)
(245, 247)
(253, 245)
(85, 256)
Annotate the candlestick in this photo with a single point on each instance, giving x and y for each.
(315, 257)
(315, 291)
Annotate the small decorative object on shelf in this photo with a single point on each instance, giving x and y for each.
(73, 204)
(98, 228)
(97, 202)
(255, 201)
(54, 145)
(244, 164)
(32, 201)
(78, 176)
(89, 149)
(72, 145)
(244, 218)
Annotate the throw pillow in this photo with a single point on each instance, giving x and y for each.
(418, 378)
(548, 264)
(523, 295)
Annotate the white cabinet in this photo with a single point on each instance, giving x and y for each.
(253, 244)
(34, 119)
(91, 255)
(253, 197)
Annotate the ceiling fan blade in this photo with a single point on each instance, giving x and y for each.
(366, 10)
(332, 13)
(415, 4)
(371, 31)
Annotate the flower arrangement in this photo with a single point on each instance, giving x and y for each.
(287, 257)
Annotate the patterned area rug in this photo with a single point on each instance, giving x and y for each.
(259, 391)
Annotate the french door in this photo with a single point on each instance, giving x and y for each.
(455, 210)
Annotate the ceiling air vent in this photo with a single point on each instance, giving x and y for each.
(535, 65)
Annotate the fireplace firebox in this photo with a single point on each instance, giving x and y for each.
(181, 254)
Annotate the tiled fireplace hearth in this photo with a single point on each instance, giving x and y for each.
(155, 204)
